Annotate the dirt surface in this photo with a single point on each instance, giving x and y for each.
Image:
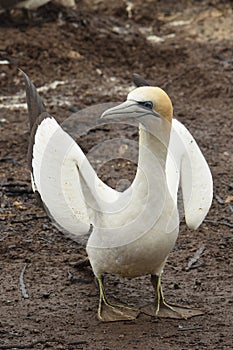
(84, 57)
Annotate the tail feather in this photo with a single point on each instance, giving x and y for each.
(35, 105)
(138, 80)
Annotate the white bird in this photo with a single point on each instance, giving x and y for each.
(32, 5)
(132, 232)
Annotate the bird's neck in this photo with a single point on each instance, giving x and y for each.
(156, 144)
(153, 148)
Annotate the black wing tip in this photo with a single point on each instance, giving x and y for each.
(21, 71)
(138, 80)
(35, 105)
(28, 83)
(26, 78)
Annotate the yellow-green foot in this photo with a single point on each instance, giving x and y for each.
(163, 309)
(171, 311)
(110, 313)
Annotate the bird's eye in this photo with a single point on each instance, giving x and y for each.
(147, 104)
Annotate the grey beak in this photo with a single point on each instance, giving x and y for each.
(128, 109)
(125, 109)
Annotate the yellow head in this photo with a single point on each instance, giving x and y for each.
(145, 105)
(153, 98)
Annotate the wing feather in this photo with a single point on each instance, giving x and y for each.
(187, 165)
(56, 177)
(68, 186)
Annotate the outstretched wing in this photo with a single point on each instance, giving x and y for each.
(55, 173)
(186, 165)
(68, 186)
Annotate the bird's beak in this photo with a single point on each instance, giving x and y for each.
(128, 109)
(123, 110)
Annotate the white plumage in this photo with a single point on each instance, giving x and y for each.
(32, 5)
(132, 231)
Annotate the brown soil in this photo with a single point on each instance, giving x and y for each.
(93, 52)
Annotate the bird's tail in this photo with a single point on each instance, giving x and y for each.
(138, 80)
(35, 105)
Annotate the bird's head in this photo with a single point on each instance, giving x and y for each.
(143, 102)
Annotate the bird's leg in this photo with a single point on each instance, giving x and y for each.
(161, 302)
(165, 310)
(108, 312)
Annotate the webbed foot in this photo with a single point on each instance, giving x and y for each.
(109, 312)
(171, 311)
(165, 310)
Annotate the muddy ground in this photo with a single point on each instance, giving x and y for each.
(91, 53)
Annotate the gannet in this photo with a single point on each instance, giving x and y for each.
(131, 232)
(32, 5)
